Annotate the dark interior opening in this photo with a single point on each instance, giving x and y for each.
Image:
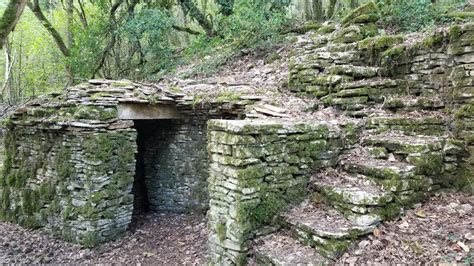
(139, 190)
(171, 166)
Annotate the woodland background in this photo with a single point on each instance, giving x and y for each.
(61, 42)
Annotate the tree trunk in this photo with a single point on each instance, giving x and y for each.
(8, 70)
(70, 37)
(35, 7)
(189, 7)
(10, 18)
(331, 9)
(318, 13)
(110, 45)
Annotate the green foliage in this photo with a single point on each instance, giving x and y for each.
(252, 24)
(414, 15)
(38, 66)
(150, 27)
(88, 43)
(226, 6)
(221, 230)
(91, 239)
(368, 9)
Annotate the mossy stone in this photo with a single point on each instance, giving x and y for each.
(368, 8)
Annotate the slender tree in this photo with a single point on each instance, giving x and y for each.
(10, 18)
(318, 12)
(331, 9)
(36, 9)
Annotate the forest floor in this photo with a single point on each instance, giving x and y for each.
(154, 239)
(440, 230)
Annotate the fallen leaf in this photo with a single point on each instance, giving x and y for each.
(420, 214)
(463, 246)
(456, 247)
(403, 225)
(351, 260)
(377, 232)
(148, 254)
(469, 236)
(417, 248)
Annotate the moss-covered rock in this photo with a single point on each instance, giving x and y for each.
(366, 9)
(462, 15)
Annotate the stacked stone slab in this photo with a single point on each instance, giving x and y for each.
(74, 184)
(258, 169)
(367, 187)
(335, 64)
(286, 191)
(439, 75)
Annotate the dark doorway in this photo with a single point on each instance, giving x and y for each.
(171, 166)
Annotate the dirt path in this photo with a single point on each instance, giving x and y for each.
(155, 239)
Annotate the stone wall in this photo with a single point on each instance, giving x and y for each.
(433, 72)
(175, 164)
(258, 169)
(442, 65)
(73, 184)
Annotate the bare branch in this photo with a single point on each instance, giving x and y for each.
(184, 29)
(35, 7)
(111, 44)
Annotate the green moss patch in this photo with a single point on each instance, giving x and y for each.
(365, 9)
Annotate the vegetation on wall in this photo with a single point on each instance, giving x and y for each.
(406, 15)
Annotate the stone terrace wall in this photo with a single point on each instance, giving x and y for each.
(442, 65)
(439, 66)
(259, 168)
(74, 184)
(176, 164)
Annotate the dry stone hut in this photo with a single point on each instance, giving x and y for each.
(400, 126)
(78, 164)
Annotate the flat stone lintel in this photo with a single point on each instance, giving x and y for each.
(135, 111)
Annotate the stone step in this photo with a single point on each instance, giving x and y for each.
(346, 103)
(353, 189)
(380, 83)
(361, 163)
(418, 122)
(357, 72)
(330, 80)
(281, 249)
(400, 143)
(338, 47)
(407, 181)
(332, 57)
(411, 103)
(324, 228)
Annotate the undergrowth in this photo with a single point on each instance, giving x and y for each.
(415, 15)
(254, 26)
